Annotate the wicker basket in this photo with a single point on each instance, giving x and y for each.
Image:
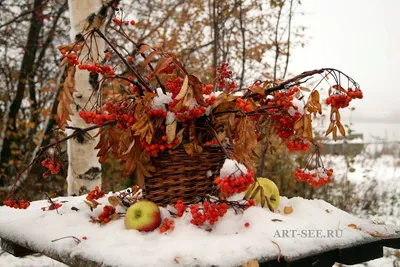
(180, 176)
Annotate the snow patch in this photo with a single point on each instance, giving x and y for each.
(232, 167)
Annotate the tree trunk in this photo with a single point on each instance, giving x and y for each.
(84, 170)
(27, 66)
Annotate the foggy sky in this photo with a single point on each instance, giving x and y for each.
(361, 38)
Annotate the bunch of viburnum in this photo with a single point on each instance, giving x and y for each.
(146, 113)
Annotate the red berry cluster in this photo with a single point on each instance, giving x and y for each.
(180, 207)
(285, 126)
(191, 114)
(318, 177)
(244, 105)
(223, 74)
(72, 58)
(21, 204)
(113, 111)
(209, 212)
(160, 145)
(52, 166)
(211, 100)
(342, 99)
(232, 185)
(105, 70)
(284, 99)
(169, 69)
(250, 203)
(208, 89)
(157, 113)
(167, 225)
(212, 142)
(98, 117)
(104, 217)
(355, 94)
(126, 23)
(174, 85)
(298, 145)
(96, 193)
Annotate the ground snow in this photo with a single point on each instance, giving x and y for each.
(229, 244)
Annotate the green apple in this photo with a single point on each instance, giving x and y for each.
(271, 191)
(143, 216)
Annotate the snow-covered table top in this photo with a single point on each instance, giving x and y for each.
(293, 236)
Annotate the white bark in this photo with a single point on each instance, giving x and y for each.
(84, 170)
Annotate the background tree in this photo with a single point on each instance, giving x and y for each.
(202, 34)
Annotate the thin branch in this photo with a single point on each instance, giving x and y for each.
(243, 32)
(23, 14)
(277, 51)
(138, 76)
(288, 39)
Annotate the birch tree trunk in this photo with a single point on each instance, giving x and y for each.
(84, 170)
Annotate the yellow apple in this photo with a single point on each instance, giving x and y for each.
(143, 216)
(271, 191)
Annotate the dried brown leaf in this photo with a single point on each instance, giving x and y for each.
(197, 148)
(221, 98)
(114, 216)
(143, 48)
(252, 263)
(184, 89)
(330, 128)
(197, 87)
(171, 132)
(256, 191)
(162, 64)
(179, 136)
(341, 128)
(305, 89)
(299, 123)
(188, 97)
(92, 203)
(315, 96)
(149, 58)
(334, 133)
(177, 260)
(114, 201)
(189, 148)
(250, 190)
(352, 225)
(257, 89)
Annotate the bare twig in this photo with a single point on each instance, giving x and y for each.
(138, 76)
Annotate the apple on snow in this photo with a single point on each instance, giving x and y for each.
(143, 216)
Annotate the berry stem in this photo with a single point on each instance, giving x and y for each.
(140, 79)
